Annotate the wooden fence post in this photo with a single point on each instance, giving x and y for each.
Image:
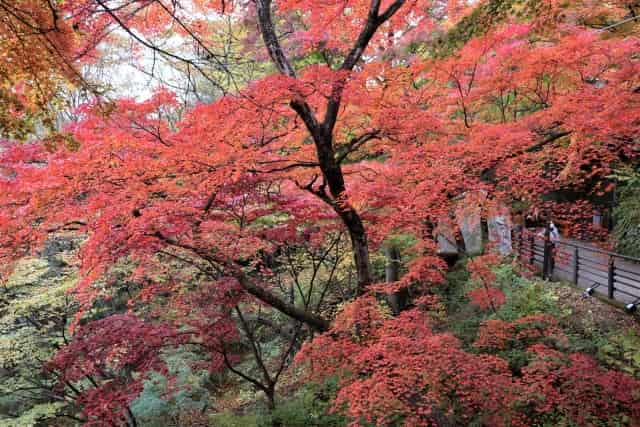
(521, 242)
(397, 300)
(575, 265)
(531, 247)
(611, 271)
(546, 258)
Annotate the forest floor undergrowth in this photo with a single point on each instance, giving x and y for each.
(591, 326)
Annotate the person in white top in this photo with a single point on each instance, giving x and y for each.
(554, 234)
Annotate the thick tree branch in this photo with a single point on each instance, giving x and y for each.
(265, 22)
(374, 20)
(551, 137)
(278, 329)
(313, 320)
(291, 165)
(356, 143)
(548, 140)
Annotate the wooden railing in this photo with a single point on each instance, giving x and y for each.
(598, 271)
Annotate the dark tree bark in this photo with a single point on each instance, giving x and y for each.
(322, 132)
(309, 318)
(313, 320)
(397, 301)
(328, 162)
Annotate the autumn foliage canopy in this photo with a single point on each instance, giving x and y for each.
(359, 122)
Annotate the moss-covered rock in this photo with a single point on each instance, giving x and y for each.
(35, 306)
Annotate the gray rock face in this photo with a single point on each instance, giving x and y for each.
(56, 252)
(500, 232)
(446, 239)
(468, 217)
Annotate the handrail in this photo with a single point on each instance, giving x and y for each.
(589, 248)
(581, 266)
(600, 251)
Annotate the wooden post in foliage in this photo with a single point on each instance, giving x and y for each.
(610, 287)
(398, 300)
(521, 241)
(547, 253)
(531, 249)
(576, 255)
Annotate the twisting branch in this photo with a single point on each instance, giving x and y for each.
(374, 20)
(265, 21)
(322, 132)
(553, 136)
(355, 143)
(257, 354)
(313, 320)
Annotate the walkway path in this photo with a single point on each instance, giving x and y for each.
(593, 268)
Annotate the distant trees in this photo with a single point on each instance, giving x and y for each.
(625, 214)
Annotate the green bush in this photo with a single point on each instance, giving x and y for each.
(622, 351)
(453, 293)
(310, 407)
(627, 213)
(526, 297)
(227, 419)
(463, 319)
(154, 406)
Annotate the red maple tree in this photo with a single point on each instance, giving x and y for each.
(347, 132)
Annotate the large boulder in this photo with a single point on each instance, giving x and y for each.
(500, 225)
(469, 216)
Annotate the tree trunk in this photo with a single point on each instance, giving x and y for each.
(360, 249)
(398, 300)
(334, 179)
(271, 397)
(270, 392)
(322, 132)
